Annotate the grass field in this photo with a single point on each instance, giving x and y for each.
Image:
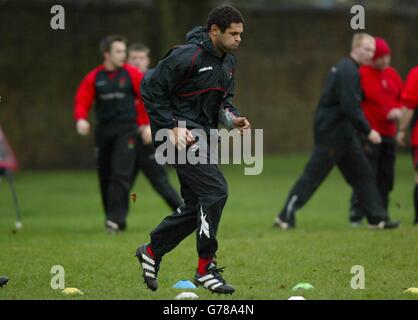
(63, 221)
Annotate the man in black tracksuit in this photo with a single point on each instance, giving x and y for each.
(337, 118)
(194, 83)
(114, 86)
(138, 56)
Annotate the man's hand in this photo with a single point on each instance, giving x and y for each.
(83, 127)
(241, 123)
(394, 114)
(145, 133)
(181, 138)
(404, 122)
(401, 138)
(375, 137)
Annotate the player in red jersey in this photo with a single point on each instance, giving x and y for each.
(382, 86)
(410, 116)
(114, 86)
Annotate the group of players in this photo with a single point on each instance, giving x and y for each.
(356, 128)
(194, 83)
(122, 135)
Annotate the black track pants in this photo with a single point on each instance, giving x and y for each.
(115, 147)
(355, 168)
(204, 191)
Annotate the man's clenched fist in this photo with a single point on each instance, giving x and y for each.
(83, 127)
(145, 133)
(241, 123)
(375, 137)
(181, 137)
(395, 114)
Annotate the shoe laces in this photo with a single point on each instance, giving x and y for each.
(216, 272)
(157, 265)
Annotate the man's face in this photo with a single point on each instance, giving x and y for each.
(383, 62)
(117, 54)
(230, 39)
(139, 59)
(365, 50)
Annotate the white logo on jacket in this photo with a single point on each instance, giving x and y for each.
(205, 69)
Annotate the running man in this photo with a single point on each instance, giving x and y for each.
(195, 83)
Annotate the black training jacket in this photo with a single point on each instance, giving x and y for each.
(339, 115)
(191, 83)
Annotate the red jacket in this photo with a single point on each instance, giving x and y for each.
(410, 99)
(382, 91)
(117, 95)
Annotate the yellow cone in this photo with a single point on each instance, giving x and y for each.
(71, 291)
(411, 290)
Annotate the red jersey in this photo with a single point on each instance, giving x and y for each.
(410, 100)
(382, 91)
(117, 96)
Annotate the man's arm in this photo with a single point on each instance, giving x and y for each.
(83, 102)
(229, 115)
(406, 119)
(143, 122)
(157, 87)
(228, 105)
(409, 98)
(230, 118)
(403, 126)
(395, 112)
(142, 118)
(84, 97)
(136, 78)
(350, 99)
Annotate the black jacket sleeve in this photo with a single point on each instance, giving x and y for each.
(158, 84)
(229, 110)
(350, 98)
(228, 113)
(229, 106)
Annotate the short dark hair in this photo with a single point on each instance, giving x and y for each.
(223, 16)
(106, 43)
(139, 47)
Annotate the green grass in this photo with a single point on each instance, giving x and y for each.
(63, 221)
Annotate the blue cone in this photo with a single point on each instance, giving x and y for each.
(184, 284)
